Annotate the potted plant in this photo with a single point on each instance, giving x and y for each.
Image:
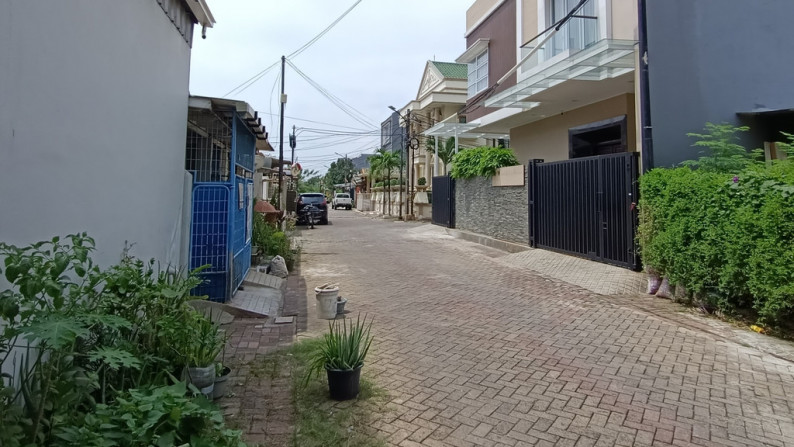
(202, 346)
(221, 380)
(342, 355)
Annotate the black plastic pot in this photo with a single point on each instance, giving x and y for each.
(343, 384)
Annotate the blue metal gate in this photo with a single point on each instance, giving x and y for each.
(210, 239)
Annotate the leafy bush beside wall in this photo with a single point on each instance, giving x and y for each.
(481, 162)
(724, 231)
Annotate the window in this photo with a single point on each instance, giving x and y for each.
(579, 33)
(478, 74)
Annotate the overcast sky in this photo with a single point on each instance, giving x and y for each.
(371, 59)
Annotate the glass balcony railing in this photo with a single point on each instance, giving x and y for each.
(577, 34)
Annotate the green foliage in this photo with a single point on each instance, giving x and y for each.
(159, 416)
(446, 148)
(727, 237)
(340, 171)
(421, 181)
(271, 240)
(382, 163)
(724, 154)
(318, 420)
(343, 347)
(481, 162)
(79, 337)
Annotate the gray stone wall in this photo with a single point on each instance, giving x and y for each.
(499, 212)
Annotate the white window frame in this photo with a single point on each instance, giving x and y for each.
(478, 74)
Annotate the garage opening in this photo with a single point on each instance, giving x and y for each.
(599, 138)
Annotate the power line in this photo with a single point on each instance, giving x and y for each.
(343, 106)
(323, 32)
(253, 79)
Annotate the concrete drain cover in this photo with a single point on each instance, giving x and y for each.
(283, 320)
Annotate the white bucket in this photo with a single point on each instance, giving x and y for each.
(326, 302)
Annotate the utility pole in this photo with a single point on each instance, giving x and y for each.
(281, 138)
(403, 198)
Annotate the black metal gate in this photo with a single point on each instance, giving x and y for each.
(586, 207)
(444, 201)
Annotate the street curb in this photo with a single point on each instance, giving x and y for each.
(510, 247)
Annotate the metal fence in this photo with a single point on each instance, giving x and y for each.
(586, 207)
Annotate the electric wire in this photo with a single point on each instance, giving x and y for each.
(253, 79)
(343, 106)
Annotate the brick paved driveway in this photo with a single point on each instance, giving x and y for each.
(474, 352)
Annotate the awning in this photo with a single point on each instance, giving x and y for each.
(461, 130)
(605, 59)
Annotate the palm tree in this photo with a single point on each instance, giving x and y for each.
(385, 160)
(446, 149)
(375, 166)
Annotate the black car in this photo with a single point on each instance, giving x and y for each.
(316, 199)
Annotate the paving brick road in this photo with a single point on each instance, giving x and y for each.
(475, 352)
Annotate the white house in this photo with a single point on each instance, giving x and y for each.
(93, 105)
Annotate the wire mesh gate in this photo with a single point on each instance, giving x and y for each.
(220, 154)
(444, 201)
(586, 207)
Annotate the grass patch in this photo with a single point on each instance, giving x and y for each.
(320, 421)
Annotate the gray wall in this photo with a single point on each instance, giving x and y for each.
(499, 212)
(92, 125)
(391, 134)
(708, 60)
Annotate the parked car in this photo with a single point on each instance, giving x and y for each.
(312, 198)
(342, 200)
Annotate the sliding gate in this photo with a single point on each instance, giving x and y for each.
(586, 207)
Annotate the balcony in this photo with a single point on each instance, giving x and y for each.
(575, 53)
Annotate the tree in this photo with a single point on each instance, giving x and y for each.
(384, 161)
(309, 181)
(340, 171)
(446, 149)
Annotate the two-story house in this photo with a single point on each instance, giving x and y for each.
(590, 91)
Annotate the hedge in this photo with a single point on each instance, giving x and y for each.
(726, 237)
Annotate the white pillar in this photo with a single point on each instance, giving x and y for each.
(435, 157)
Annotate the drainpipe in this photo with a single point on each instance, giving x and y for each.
(645, 102)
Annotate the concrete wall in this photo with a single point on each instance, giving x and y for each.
(92, 125)
(500, 28)
(498, 212)
(548, 139)
(624, 19)
(708, 60)
(529, 20)
(478, 10)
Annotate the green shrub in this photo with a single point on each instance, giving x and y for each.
(97, 334)
(481, 162)
(727, 237)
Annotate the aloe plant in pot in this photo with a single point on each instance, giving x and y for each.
(204, 342)
(342, 355)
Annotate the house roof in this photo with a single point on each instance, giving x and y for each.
(244, 111)
(452, 70)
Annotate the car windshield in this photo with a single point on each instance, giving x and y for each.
(315, 198)
(342, 196)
